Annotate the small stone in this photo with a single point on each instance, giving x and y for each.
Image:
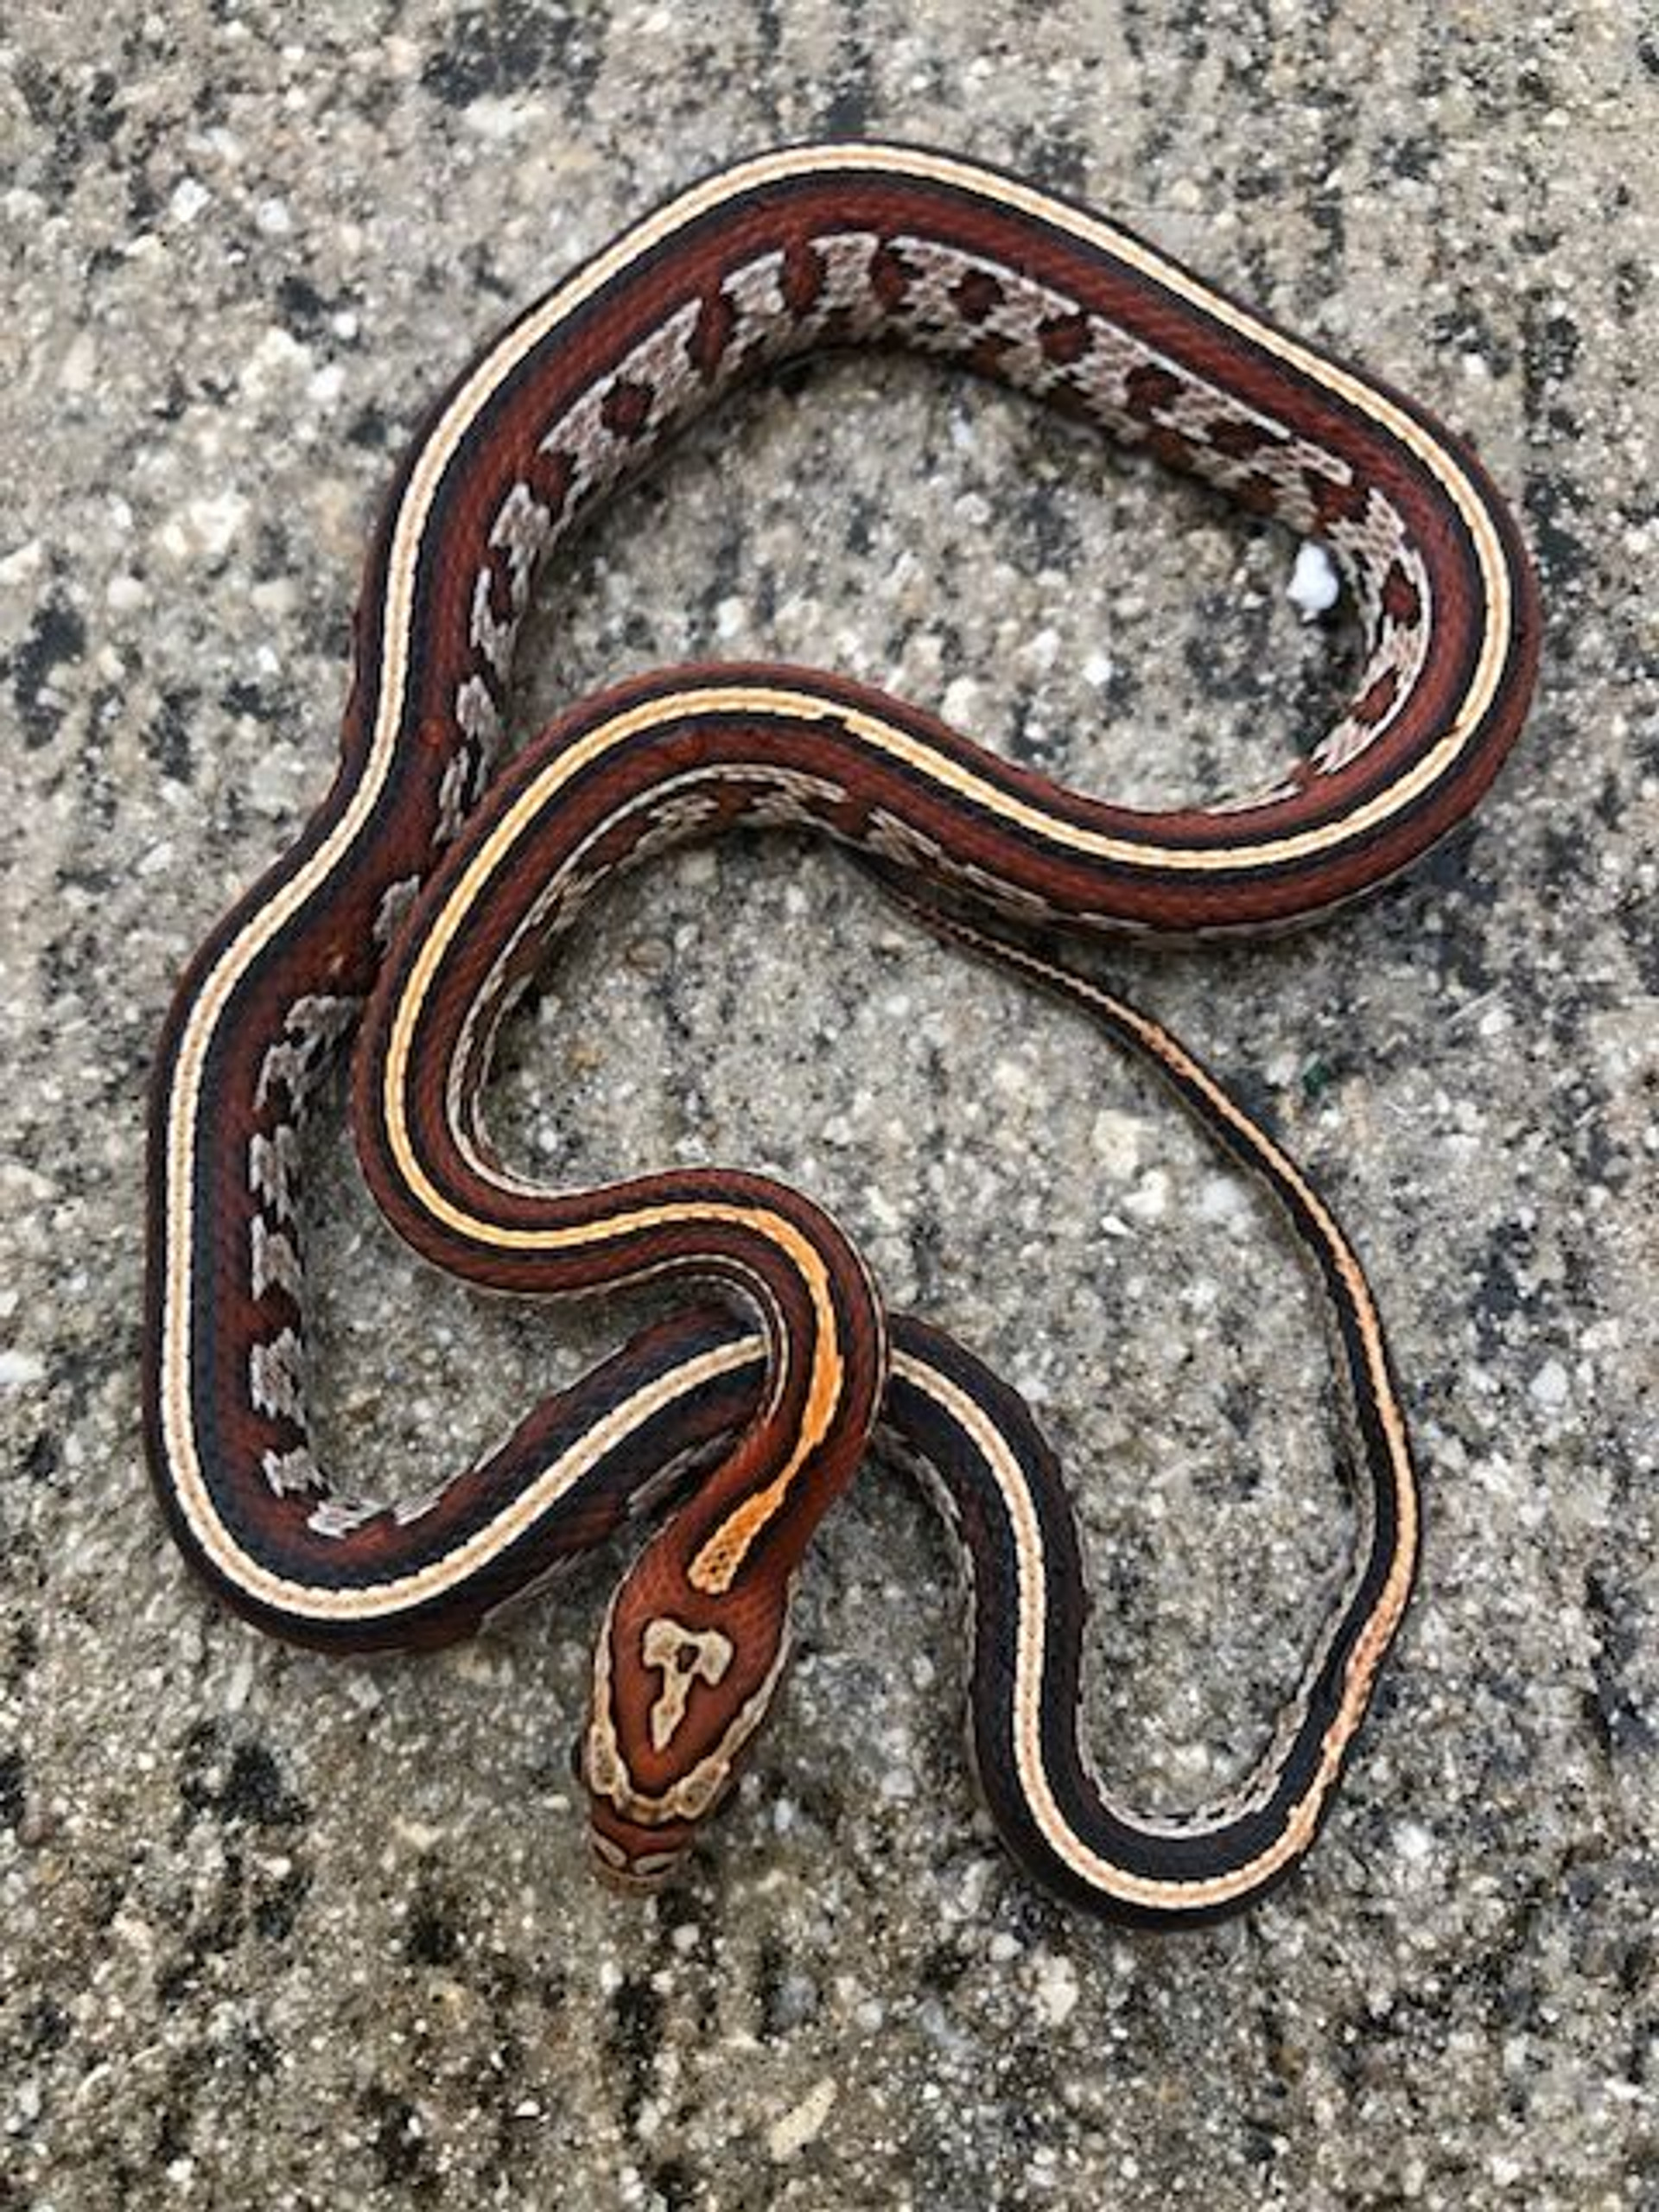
(961, 702)
(1115, 1138)
(206, 528)
(1314, 586)
(1054, 1988)
(190, 196)
(803, 2123)
(1149, 1200)
(79, 363)
(23, 565)
(1552, 1385)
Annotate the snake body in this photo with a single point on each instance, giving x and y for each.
(422, 893)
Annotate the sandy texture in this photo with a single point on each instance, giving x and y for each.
(283, 1934)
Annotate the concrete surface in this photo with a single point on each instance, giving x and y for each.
(278, 1933)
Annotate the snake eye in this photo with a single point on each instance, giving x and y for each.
(578, 1769)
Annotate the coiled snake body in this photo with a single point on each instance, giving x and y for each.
(771, 1403)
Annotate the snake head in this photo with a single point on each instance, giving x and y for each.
(682, 1682)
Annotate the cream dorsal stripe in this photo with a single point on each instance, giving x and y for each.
(808, 247)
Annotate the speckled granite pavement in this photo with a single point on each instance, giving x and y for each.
(278, 1933)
